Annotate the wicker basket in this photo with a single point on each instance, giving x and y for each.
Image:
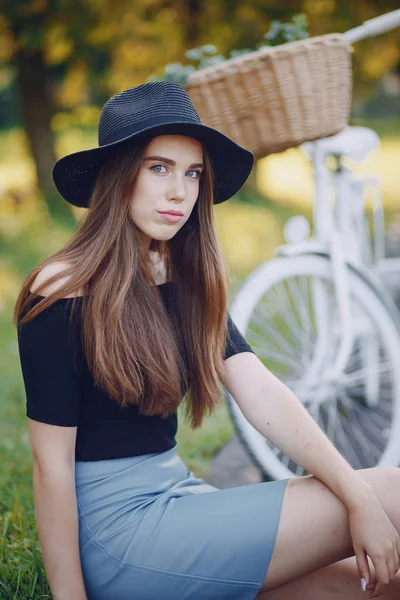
(278, 97)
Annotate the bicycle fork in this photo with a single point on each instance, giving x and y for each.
(353, 244)
(321, 370)
(337, 237)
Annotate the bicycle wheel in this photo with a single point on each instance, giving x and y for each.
(274, 311)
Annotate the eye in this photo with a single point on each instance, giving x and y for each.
(155, 166)
(198, 173)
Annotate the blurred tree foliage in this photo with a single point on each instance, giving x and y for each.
(66, 57)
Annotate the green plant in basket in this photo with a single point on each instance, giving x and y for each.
(282, 33)
(205, 56)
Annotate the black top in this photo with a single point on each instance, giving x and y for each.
(60, 388)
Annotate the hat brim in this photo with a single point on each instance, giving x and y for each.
(75, 174)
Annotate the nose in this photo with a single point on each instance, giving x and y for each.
(177, 192)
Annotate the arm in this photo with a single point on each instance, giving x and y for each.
(273, 410)
(49, 363)
(56, 508)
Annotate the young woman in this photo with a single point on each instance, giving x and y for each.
(110, 345)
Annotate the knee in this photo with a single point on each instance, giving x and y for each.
(389, 479)
(390, 473)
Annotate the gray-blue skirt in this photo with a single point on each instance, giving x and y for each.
(149, 529)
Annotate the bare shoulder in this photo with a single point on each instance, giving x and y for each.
(46, 273)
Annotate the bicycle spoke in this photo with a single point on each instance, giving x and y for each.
(332, 419)
(283, 305)
(283, 343)
(304, 308)
(274, 315)
(278, 357)
(288, 308)
(367, 446)
(349, 379)
(347, 448)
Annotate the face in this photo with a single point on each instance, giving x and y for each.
(168, 181)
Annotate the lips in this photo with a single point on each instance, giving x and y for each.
(178, 213)
(171, 217)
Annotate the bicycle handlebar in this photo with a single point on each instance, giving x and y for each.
(375, 26)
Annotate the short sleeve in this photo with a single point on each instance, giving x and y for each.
(235, 341)
(50, 359)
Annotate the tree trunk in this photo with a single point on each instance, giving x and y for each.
(193, 22)
(36, 111)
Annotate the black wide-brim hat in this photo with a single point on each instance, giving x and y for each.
(150, 109)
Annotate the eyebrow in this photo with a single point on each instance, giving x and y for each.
(169, 161)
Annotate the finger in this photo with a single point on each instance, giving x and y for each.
(363, 566)
(396, 561)
(372, 577)
(393, 566)
(382, 575)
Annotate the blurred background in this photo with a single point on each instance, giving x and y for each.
(59, 62)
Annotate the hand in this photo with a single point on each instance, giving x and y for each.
(374, 535)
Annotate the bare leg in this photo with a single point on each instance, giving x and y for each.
(340, 581)
(314, 530)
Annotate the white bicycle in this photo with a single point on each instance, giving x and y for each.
(320, 315)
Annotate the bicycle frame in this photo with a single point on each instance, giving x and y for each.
(340, 232)
(327, 238)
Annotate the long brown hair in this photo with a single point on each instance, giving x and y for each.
(129, 340)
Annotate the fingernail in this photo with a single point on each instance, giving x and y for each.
(363, 585)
